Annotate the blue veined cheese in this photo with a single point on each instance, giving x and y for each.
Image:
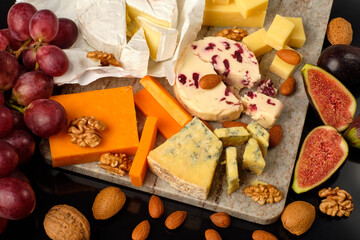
(233, 136)
(232, 172)
(188, 159)
(253, 159)
(260, 134)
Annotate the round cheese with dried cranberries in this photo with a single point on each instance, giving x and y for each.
(215, 55)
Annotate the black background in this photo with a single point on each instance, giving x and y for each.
(54, 186)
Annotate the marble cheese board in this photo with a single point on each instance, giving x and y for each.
(280, 160)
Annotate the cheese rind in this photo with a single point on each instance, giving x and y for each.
(233, 136)
(298, 36)
(252, 158)
(279, 32)
(232, 172)
(187, 160)
(255, 42)
(250, 8)
(229, 16)
(261, 135)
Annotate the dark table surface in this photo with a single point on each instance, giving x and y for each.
(54, 186)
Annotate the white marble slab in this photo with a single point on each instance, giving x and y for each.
(280, 160)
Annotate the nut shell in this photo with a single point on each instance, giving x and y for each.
(339, 31)
(298, 217)
(108, 202)
(63, 222)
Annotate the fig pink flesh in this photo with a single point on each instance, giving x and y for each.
(333, 105)
(314, 166)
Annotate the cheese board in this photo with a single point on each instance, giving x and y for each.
(280, 160)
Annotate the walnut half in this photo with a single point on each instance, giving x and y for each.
(338, 202)
(236, 34)
(105, 58)
(263, 193)
(115, 163)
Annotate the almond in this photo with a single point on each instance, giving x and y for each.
(234, 124)
(289, 56)
(156, 207)
(339, 31)
(211, 234)
(263, 235)
(141, 231)
(108, 202)
(275, 135)
(210, 81)
(220, 219)
(288, 86)
(175, 219)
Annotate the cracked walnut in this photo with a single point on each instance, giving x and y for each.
(236, 34)
(263, 194)
(338, 202)
(115, 163)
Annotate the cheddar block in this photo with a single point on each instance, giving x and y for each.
(250, 8)
(255, 42)
(282, 68)
(298, 37)
(147, 104)
(139, 165)
(166, 100)
(120, 135)
(224, 2)
(229, 15)
(279, 32)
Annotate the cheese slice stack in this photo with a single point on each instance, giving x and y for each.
(103, 28)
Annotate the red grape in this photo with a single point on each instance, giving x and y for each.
(6, 121)
(44, 26)
(22, 70)
(3, 225)
(17, 198)
(29, 56)
(2, 99)
(20, 175)
(23, 143)
(9, 70)
(4, 39)
(67, 34)
(45, 117)
(19, 122)
(31, 86)
(52, 60)
(18, 20)
(9, 159)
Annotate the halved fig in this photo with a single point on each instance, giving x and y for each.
(352, 134)
(322, 153)
(333, 102)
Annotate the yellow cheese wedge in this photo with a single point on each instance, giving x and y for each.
(298, 37)
(255, 42)
(233, 136)
(281, 68)
(232, 172)
(229, 15)
(279, 32)
(250, 8)
(222, 2)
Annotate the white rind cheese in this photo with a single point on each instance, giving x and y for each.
(161, 40)
(103, 28)
(216, 104)
(232, 171)
(188, 159)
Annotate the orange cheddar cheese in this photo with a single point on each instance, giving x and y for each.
(166, 100)
(115, 108)
(147, 141)
(147, 104)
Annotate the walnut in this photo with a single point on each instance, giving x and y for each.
(115, 163)
(234, 33)
(337, 202)
(263, 193)
(84, 131)
(105, 58)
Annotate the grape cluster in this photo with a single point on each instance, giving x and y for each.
(30, 56)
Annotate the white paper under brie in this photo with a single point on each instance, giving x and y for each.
(84, 71)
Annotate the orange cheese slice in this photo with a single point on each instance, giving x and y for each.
(115, 108)
(166, 100)
(147, 142)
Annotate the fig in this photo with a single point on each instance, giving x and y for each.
(333, 102)
(352, 134)
(322, 153)
(342, 61)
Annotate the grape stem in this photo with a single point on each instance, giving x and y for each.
(22, 48)
(12, 105)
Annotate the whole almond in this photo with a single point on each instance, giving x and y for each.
(156, 207)
(289, 56)
(210, 81)
(233, 124)
(275, 135)
(288, 86)
(141, 231)
(211, 234)
(220, 219)
(339, 31)
(263, 235)
(175, 219)
(108, 202)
